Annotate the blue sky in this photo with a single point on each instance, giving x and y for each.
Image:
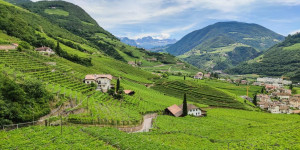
(176, 18)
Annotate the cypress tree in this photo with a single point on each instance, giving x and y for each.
(118, 85)
(184, 107)
(58, 49)
(262, 90)
(291, 86)
(184, 78)
(254, 100)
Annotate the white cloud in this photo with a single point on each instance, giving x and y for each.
(119, 15)
(295, 31)
(285, 2)
(163, 34)
(111, 13)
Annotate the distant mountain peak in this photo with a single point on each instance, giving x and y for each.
(147, 42)
(209, 48)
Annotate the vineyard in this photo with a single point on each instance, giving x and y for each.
(228, 129)
(104, 110)
(50, 138)
(44, 69)
(200, 93)
(222, 129)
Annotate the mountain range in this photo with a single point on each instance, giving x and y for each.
(148, 42)
(224, 44)
(283, 59)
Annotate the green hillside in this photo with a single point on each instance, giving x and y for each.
(222, 129)
(202, 93)
(211, 48)
(282, 59)
(74, 19)
(44, 103)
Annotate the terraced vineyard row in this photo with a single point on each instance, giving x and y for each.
(197, 93)
(228, 129)
(43, 69)
(50, 138)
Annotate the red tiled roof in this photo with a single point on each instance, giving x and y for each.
(284, 107)
(190, 107)
(95, 76)
(42, 48)
(127, 91)
(175, 110)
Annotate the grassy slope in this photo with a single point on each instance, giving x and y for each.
(221, 129)
(57, 12)
(209, 92)
(80, 23)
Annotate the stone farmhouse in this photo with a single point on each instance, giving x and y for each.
(45, 50)
(199, 75)
(103, 81)
(193, 110)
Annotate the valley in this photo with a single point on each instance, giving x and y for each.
(68, 83)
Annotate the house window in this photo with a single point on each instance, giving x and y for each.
(87, 82)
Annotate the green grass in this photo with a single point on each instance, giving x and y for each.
(228, 129)
(6, 39)
(50, 138)
(221, 129)
(87, 23)
(297, 90)
(56, 11)
(199, 93)
(293, 47)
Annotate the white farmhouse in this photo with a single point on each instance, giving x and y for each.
(194, 110)
(274, 109)
(103, 81)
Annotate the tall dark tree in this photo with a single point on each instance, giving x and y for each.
(263, 89)
(291, 87)
(184, 78)
(255, 100)
(184, 107)
(118, 85)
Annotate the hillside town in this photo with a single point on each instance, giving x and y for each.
(275, 98)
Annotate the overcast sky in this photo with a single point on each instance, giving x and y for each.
(176, 18)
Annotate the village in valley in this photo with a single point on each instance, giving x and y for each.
(275, 96)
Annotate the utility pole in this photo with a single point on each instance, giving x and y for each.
(61, 124)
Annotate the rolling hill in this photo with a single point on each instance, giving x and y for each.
(79, 34)
(209, 48)
(282, 59)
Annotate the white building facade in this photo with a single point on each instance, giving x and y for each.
(103, 81)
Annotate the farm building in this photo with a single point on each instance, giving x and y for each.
(103, 81)
(176, 110)
(9, 47)
(129, 92)
(199, 75)
(45, 50)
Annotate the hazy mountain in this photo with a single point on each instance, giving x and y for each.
(147, 42)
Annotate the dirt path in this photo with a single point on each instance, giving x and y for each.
(147, 124)
(169, 70)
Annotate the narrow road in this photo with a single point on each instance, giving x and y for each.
(147, 124)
